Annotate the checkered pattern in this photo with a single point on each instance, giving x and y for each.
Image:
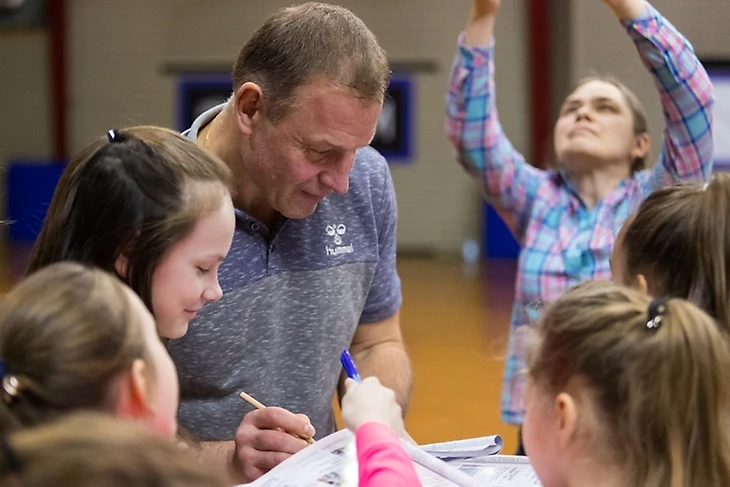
(563, 242)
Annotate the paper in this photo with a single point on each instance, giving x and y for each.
(473, 447)
(422, 460)
(499, 471)
(330, 461)
(333, 461)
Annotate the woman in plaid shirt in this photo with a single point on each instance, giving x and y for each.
(566, 217)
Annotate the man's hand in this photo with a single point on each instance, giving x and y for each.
(378, 350)
(267, 437)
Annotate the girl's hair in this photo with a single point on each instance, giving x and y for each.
(130, 193)
(66, 333)
(88, 449)
(660, 389)
(679, 239)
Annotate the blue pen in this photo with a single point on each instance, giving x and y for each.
(349, 366)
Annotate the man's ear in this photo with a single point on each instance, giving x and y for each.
(249, 101)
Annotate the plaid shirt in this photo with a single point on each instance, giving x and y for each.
(564, 242)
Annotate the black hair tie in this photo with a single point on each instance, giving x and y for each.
(114, 136)
(657, 309)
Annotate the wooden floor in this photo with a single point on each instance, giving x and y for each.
(455, 322)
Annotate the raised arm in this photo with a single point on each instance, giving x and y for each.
(472, 123)
(685, 91)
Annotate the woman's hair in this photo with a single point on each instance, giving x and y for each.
(93, 449)
(66, 333)
(679, 239)
(134, 192)
(657, 373)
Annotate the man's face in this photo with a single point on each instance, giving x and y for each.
(309, 153)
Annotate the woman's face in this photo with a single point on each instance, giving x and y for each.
(595, 126)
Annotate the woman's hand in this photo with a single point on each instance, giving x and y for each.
(480, 27)
(626, 9)
(485, 8)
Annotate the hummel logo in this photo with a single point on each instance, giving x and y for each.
(337, 232)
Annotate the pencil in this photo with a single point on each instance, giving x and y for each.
(253, 402)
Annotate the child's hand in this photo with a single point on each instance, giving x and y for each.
(370, 401)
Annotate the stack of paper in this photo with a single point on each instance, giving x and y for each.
(470, 463)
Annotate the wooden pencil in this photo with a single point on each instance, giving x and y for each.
(253, 402)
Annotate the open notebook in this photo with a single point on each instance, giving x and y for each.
(333, 461)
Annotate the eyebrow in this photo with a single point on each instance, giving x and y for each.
(599, 99)
(311, 142)
(215, 257)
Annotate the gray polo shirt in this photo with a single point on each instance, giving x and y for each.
(291, 305)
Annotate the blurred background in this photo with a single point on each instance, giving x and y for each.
(72, 69)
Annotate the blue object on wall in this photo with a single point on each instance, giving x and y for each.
(198, 92)
(395, 131)
(498, 240)
(29, 189)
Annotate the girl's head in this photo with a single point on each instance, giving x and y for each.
(620, 384)
(678, 244)
(88, 450)
(75, 338)
(151, 206)
(601, 122)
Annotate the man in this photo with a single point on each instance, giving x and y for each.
(312, 268)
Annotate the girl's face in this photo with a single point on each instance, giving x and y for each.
(187, 278)
(163, 388)
(539, 435)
